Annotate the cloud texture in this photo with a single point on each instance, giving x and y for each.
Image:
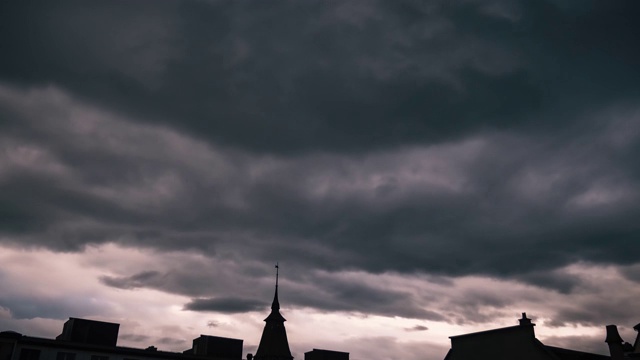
(446, 164)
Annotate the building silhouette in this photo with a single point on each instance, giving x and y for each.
(216, 347)
(273, 343)
(513, 342)
(618, 348)
(83, 339)
(319, 354)
(90, 332)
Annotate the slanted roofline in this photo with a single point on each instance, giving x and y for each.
(509, 328)
(325, 350)
(525, 323)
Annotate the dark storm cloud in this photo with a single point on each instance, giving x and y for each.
(319, 290)
(561, 282)
(176, 279)
(631, 272)
(495, 138)
(332, 292)
(131, 282)
(225, 305)
(326, 75)
(232, 75)
(506, 196)
(608, 309)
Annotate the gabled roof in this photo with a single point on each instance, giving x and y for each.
(512, 342)
(487, 332)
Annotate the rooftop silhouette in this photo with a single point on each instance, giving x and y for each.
(513, 342)
(273, 343)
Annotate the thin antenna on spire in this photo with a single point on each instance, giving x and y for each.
(276, 304)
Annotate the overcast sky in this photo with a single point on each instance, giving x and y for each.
(419, 169)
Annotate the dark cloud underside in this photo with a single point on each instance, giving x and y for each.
(225, 305)
(333, 76)
(493, 138)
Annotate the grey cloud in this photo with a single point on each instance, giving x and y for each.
(411, 69)
(31, 307)
(561, 282)
(631, 272)
(205, 277)
(331, 292)
(172, 341)
(319, 290)
(473, 307)
(593, 313)
(486, 138)
(592, 344)
(131, 282)
(134, 337)
(427, 209)
(606, 301)
(225, 305)
(417, 328)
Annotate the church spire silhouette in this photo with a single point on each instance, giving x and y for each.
(275, 305)
(273, 343)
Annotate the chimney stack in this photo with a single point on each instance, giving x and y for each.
(615, 343)
(524, 320)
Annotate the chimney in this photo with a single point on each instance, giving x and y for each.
(524, 321)
(615, 343)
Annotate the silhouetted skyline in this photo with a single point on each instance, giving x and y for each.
(418, 169)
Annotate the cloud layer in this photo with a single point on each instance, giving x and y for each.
(444, 165)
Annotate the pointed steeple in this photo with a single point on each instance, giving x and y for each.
(274, 344)
(275, 305)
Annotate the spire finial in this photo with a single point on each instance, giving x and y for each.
(276, 304)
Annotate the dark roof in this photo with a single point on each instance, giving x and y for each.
(10, 334)
(554, 353)
(496, 338)
(566, 354)
(327, 351)
(275, 310)
(504, 329)
(120, 350)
